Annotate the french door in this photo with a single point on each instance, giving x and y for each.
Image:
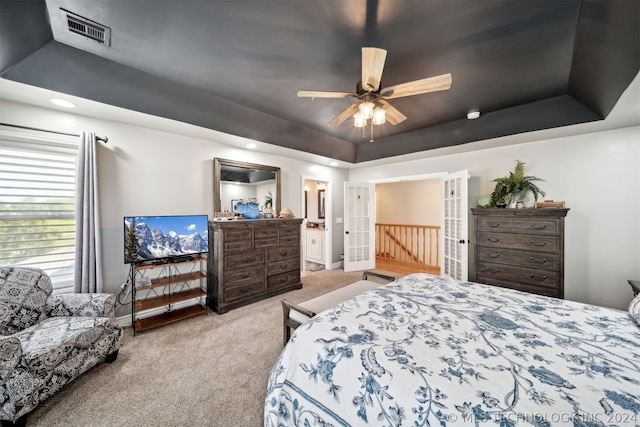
(359, 230)
(454, 258)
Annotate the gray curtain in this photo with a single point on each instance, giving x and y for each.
(88, 267)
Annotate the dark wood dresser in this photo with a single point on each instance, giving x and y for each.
(521, 249)
(250, 260)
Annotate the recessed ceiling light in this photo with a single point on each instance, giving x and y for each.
(472, 115)
(62, 103)
(251, 146)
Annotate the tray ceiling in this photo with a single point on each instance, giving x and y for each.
(236, 66)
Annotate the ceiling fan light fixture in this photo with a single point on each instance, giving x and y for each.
(366, 108)
(379, 116)
(359, 120)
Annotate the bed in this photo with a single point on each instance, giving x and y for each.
(429, 350)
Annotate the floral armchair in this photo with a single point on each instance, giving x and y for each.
(46, 340)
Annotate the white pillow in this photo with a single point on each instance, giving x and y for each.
(634, 309)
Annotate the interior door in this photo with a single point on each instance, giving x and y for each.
(359, 230)
(454, 258)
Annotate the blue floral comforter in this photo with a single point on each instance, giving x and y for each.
(428, 350)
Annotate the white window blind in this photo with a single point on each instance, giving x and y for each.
(37, 204)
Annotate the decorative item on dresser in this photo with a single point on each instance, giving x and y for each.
(521, 249)
(250, 260)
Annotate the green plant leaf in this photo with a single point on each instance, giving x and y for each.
(515, 186)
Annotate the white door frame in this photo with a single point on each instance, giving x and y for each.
(354, 196)
(328, 215)
(428, 176)
(454, 237)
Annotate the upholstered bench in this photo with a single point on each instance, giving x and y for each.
(296, 314)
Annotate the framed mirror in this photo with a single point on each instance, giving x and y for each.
(320, 204)
(234, 180)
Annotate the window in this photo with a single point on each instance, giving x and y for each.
(37, 204)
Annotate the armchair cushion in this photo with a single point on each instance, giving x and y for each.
(23, 295)
(55, 339)
(89, 305)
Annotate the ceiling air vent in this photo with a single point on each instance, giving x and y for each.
(85, 27)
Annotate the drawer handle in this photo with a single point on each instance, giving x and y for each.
(538, 260)
(539, 278)
(494, 255)
(493, 270)
(493, 240)
(538, 244)
(538, 226)
(494, 224)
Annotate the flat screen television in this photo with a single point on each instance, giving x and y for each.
(160, 239)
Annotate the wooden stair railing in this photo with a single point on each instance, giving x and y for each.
(417, 245)
(402, 245)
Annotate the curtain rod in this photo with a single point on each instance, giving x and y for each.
(99, 138)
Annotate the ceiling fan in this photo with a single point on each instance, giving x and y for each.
(374, 98)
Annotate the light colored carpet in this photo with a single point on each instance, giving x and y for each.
(205, 371)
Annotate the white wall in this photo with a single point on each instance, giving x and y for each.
(145, 172)
(412, 202)
(597, 175)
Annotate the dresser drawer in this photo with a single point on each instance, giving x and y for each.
(237, 234)
(519, 225)
(284, 265)
(534, 289)
(509, 274)
(242, 291)
(289, 230)
(254, 272)
(283, 280)
(285, 252)
(520, 241)
(290, 240)
(241, 260)
(237, 245)
(547, 261)
(270, 242)
(265, 233)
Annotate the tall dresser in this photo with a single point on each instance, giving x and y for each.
(250, 260)
(521, 249)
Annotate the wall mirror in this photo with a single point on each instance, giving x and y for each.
(234, 181)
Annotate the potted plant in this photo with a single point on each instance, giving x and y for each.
(268, 206)
(514, 188)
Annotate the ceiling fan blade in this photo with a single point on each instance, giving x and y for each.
(393, 116)
(372, 66)
(430, 84)
(350, 111)
(319, 94)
